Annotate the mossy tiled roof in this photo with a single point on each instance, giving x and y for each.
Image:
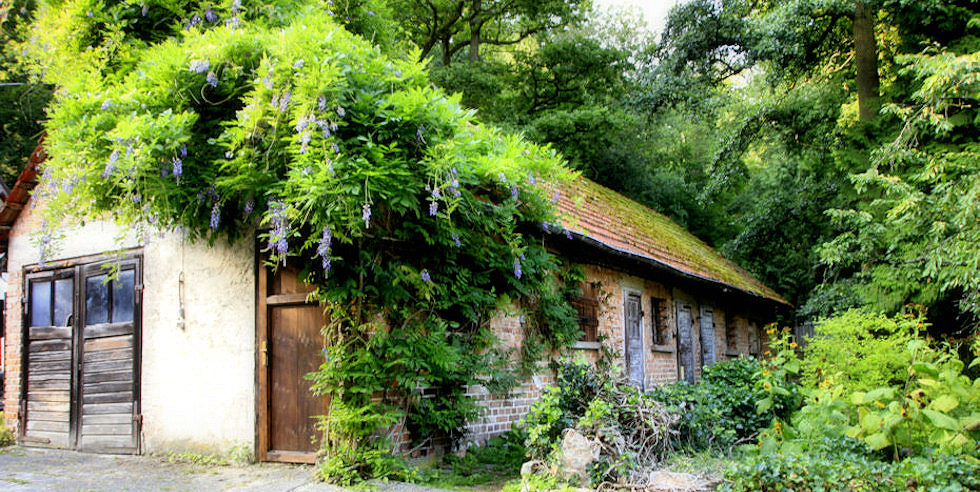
(600, 214)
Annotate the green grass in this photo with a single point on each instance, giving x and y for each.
(481, 467)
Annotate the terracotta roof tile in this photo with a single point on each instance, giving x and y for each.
(601, 214)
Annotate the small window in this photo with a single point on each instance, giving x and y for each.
(41, 303)
(587, 306)
(731, 333)
(658, 321)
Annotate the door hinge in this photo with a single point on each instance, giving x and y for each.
(138, 420)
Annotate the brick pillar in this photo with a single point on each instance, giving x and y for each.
(13, 334)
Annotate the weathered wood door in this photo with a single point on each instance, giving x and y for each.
(82, 358)
(685, 343)
(107, 351)
(634, 339)
(48, 359)
(706, 333)
(290, 346)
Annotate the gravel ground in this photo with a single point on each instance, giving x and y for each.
(30, 469)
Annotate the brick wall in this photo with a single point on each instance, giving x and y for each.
(660, 362)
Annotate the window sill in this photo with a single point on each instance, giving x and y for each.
(731, 353)
(664, 349)
(580, 345)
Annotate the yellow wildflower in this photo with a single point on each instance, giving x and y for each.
(792, 345)
(880, 404)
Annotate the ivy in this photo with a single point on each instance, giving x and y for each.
(414, 223)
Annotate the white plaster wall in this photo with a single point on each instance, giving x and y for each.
(198, 378)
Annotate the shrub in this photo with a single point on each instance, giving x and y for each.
(7, 436)
(820, 471)
(633, 430)
(720, 410)
(859, 350)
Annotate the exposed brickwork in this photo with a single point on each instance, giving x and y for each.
(660, 362)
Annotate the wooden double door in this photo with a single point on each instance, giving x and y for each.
(290, 346)
(81, 356)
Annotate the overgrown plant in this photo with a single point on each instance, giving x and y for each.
(632, 431)
(413, 222)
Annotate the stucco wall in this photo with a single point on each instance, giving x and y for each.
(198, 377)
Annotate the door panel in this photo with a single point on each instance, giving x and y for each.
(83, 378)
(634, 340)
(707, 335)
(685, 343)
(290, 347)
(49, 360)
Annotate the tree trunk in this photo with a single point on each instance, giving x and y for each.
(476, 25)
(866, 60)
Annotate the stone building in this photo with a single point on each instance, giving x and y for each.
(196, 348)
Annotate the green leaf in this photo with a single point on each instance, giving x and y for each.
(878, 440)
(941, 420)
(763, 405)
(925, 368)
(944, 403)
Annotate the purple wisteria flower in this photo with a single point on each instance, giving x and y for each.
(514, 192)
(398, 74)
(236, 6)
(568, 234)
(178, 167)
(209, 14)
(212, 78)
(249, 206)
(436, 194)
(199, 66)
(106, 105)
(302, 123)
(278, 236)
(304, 142)
(215, 216)
(456, 240)
(324, 128)
(321, 102)
(546, 227)
(517, 268)
(420, 134)
(323, 249)
(556, 196)
(502, 178)
(366, 215)
(425, 276)
(341, 111)
(284, 101)
(110, 165)
(335, 147)
(433, 208)
(267, 80)
(183, 150)
(145, 10)
(298, 64)
(531, 179)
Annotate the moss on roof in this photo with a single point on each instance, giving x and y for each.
(606, 216)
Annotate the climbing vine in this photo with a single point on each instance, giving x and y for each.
(415, 223)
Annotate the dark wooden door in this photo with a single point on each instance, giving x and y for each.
(634, 339)
(48, 359)
(706, 333)
(290, 347)
(685, 343)
(82, 358)
(108, 354)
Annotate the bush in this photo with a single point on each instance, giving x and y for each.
(720, 410)
(633, 430)
(7, 436)
(859, 350)
(820, 471)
